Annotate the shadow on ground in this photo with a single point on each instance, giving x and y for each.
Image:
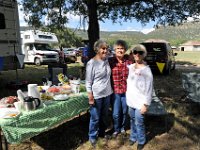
(158, 125)
(67, 136)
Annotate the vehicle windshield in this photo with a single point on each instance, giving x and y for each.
(65, 49)
(42, 47)
(81, 48)
(155, 47)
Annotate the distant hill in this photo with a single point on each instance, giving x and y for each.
(129, 36)
(177, 34)
(174, 34)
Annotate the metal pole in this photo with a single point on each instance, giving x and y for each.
(1, 148)
(3, 141)
(15, 57)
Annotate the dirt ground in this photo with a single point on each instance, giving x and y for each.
(183, 125)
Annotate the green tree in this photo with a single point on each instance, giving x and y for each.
(165, 12)
(66, 37)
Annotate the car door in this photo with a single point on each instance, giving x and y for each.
(30, 52)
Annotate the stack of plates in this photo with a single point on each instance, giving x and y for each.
(8, 112)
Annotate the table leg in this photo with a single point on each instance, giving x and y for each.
(1, 148)
(3, 142)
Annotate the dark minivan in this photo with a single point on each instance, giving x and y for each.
(160, 51)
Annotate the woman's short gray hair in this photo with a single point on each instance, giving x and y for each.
(99, 44)
(121, 43)
(140, 47)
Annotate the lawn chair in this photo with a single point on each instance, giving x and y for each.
(191, 84)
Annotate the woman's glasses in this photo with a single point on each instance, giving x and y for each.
(138, 52)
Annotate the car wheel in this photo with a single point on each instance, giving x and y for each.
(37, 62)
(73, 60)
(174, 66)
(167, 69)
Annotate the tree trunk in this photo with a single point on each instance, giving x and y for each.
(93, 28)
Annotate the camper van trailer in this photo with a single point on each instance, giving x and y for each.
(36, 47)
(10, 46)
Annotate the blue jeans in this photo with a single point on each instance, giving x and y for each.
(137, 126)
(119, 112)
(99, 117)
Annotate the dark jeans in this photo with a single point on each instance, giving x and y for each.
(99, 117)
(119, 112)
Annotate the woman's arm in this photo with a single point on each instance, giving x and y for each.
(89, 81)
(149, 90)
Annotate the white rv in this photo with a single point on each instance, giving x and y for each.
(36, 47)
(10, 46)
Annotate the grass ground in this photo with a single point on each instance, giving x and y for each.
(187, 57)
(183, 119)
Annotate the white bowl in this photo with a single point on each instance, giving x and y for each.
(60, 97)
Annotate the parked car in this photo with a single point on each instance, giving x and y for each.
(79, 51)
(70, 55)
(160, 51)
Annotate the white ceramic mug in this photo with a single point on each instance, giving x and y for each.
(18, 105)
(33, 91)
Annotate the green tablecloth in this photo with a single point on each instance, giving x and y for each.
(53, 113)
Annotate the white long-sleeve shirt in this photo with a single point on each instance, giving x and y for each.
(98, 74)
(139, 86)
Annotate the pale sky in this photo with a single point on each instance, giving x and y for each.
(74, 22)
